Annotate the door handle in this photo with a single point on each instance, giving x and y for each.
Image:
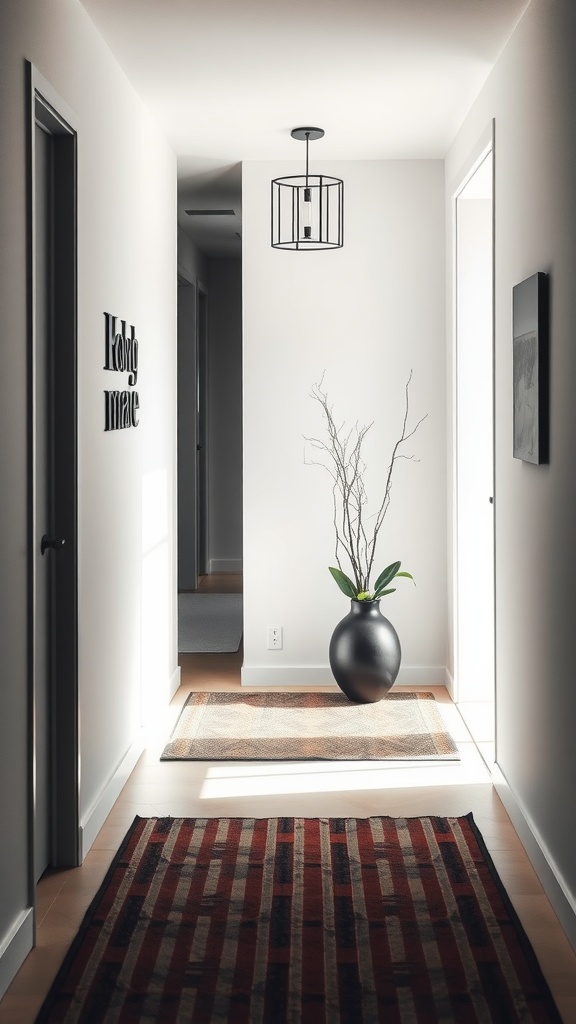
(56, 543)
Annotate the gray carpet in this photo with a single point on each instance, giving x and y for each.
(209, 623)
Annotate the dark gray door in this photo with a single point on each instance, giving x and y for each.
(53, 485)
(42, 445)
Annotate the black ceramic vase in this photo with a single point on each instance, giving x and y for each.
(365, 653)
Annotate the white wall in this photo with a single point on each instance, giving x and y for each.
(365, 315)
(474, 467)
(530, 93)
(126, 266)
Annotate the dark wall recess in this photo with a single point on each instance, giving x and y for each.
(121, 356)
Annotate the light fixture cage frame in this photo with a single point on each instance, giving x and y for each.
(307, 209)
(327, 212)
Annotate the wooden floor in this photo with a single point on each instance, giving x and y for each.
(353, 789)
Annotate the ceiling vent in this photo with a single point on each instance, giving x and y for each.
(210, 213)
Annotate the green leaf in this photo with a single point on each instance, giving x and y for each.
(407, 574)
(382, 593)
(385, 577)
(343, 581)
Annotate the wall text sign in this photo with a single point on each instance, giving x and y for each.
(121, 356)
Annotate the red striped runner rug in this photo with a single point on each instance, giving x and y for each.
(357, 921)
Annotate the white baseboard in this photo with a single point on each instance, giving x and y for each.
(421, 675)
(92, 821)
(563, 902)
(225, 565)
(174, 682)
(287, 675)
(15, 946)
(449, 683)
(320, 675)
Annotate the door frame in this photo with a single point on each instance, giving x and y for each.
(485, 147)
(48, 110)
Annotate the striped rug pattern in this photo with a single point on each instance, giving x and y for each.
(320, 921)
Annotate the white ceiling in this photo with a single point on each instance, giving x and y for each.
(228, 79)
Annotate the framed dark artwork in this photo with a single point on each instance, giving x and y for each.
(530, 368)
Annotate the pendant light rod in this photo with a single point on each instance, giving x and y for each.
(304, 135)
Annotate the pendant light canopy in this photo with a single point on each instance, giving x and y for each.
(307, 209)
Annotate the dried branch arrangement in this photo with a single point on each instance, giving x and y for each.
(356, 531)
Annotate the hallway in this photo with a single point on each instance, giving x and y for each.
(355, 789)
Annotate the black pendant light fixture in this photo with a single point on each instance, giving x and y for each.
(307, 209)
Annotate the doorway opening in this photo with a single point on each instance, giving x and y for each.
(52, 526)
(474, 634)
(209, 459)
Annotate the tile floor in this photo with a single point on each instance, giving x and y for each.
(356, 789)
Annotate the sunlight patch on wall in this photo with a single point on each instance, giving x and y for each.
(155, 593)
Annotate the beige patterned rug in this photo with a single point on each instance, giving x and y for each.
(309, 727)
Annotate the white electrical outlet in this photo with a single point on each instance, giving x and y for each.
(274, 638)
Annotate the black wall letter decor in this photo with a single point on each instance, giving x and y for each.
(121, 356)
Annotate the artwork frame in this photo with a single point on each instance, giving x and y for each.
(530, 369)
